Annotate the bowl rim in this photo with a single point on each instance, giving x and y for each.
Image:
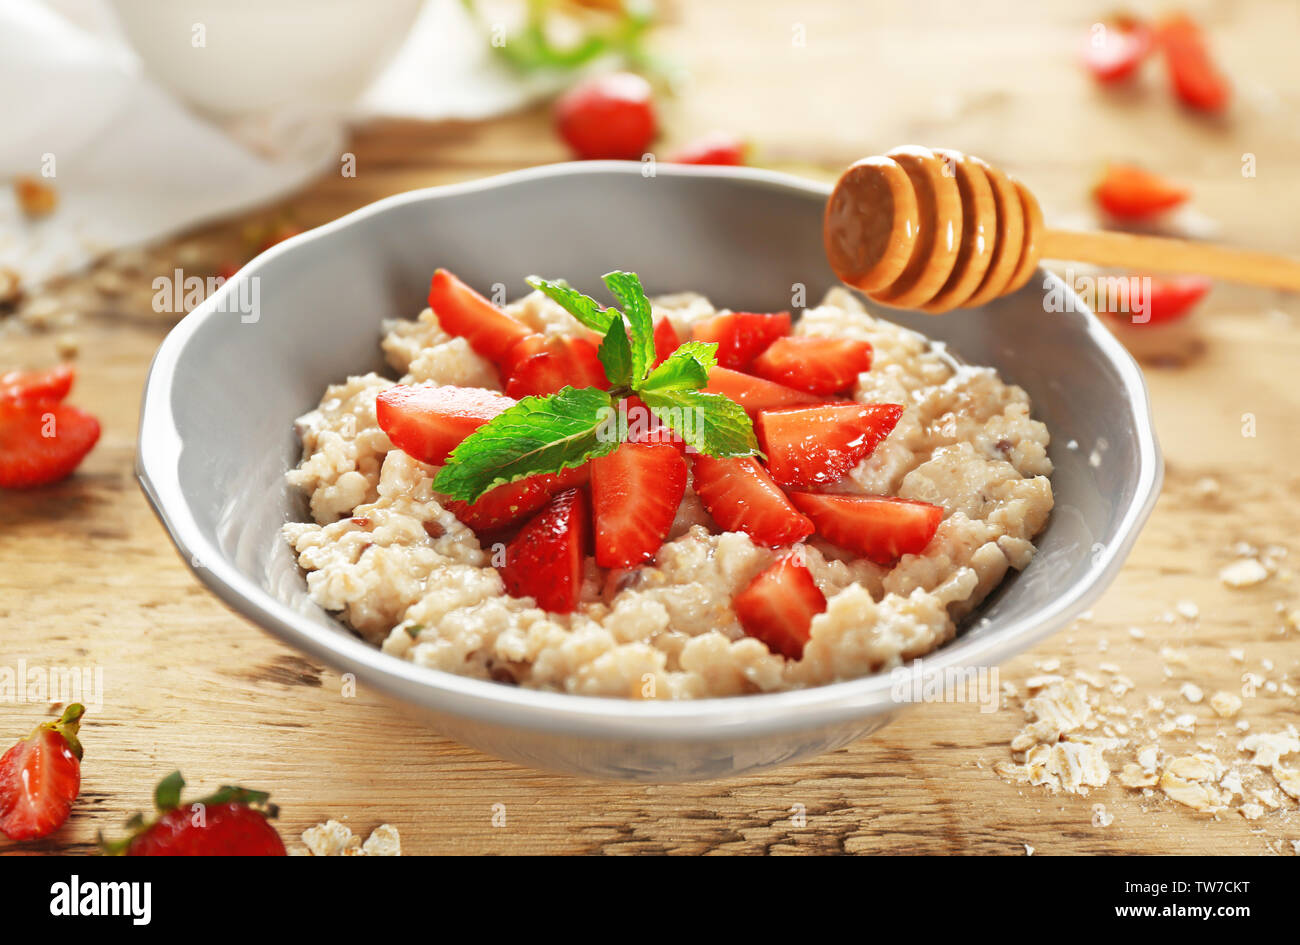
(157, 469)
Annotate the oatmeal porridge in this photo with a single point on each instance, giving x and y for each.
(397, 561)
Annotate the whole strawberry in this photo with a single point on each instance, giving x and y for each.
(233, 821)
(40, 777)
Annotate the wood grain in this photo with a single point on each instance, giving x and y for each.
(88, 579)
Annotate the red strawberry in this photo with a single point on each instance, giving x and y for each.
(462, 311)
(428, 423)
(608, 117)
(742, 497)
(507, 504)
(544, 561)
(42, 441)
(40, 778)
(51, 384)
(1115, 52)
(666, 341)
(742, 336)
(756, 394)
(817, 365)
(644, 427)
(1131, 193)
(877, 527)
(1170, 299)
(718, 147)
(1196, 78)
(808, 446)
(560, 362)
(778, 607)
(635, 492)
(233, 821)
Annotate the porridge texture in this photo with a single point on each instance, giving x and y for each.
(401, 570)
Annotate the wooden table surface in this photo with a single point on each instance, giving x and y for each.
(89, 580)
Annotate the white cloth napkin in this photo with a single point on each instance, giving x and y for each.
(132, 165)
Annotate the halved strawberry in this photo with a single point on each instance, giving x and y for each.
(741, 336)
(42, 441)
(756, 394)
(429, 422)
(817, 365)
(742, 497)
(507, 504)
(878, 527)
(544, 561)
(51, 384)
(666, 341)
(462, 311)
(635, 492)
(808, 446)
(778, 606)
(40, 777)
(560, 362)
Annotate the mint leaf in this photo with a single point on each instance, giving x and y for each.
(709, 423)
(687, 368)
(536, 435)
(626, 287)
(582, 307)
(615, 355)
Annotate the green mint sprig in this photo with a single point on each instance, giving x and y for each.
(565, 429)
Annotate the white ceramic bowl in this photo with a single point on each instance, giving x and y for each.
(262, 54)
(216, 435)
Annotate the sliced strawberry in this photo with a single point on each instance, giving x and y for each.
(42, 441)
(506, 504)
(40, 777)
(742, 336)
(462, 311)
(1196, 78)
(561, 362)
(544, 561)
(877, 527)
(1116, 47)
(717, 147)
(742, 497)
(756, 394)
(635, 492)
(51, 384)
(428, 423)
(644, 427)
(808, 446)
(666, 341)
(1131, 193)
(817, 365)
(779, 605)
(1169, 299)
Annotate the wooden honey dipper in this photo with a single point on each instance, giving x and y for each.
(937, 230)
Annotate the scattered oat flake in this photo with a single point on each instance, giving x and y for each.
(335, 839)
(1225, 704)
(1192, 692)
(1187, 609)
(1029, 851)
(1244, 572)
